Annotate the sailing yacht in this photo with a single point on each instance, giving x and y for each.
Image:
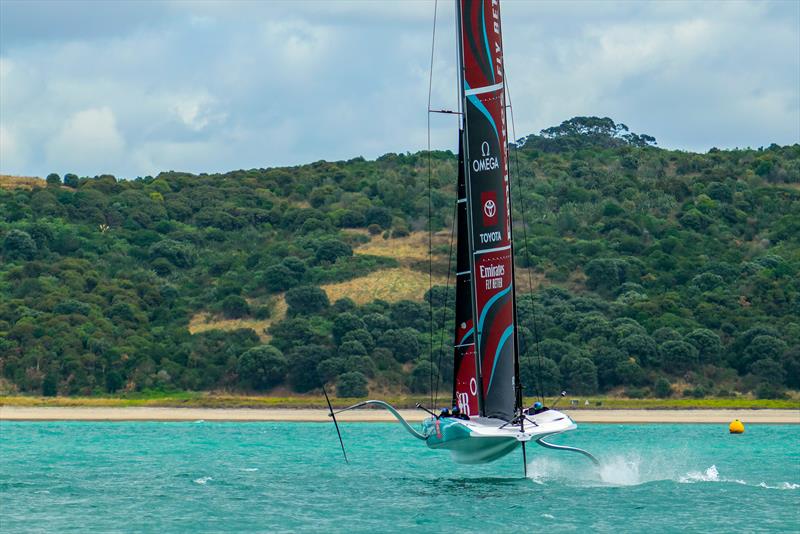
(486, 384)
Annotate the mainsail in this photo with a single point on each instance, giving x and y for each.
(486, 339)
(486, 366)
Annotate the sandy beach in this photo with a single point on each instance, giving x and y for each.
(22, 413)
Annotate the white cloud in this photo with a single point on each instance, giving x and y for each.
(88, 143)
(197, 111)
(210, 86)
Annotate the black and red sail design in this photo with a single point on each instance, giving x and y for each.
(487, 209)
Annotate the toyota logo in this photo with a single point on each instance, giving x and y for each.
(490, 208)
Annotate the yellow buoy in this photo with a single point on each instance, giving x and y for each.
(736, 427)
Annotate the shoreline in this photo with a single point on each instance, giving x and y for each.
(608, 416)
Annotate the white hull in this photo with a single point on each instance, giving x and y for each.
(481, 440)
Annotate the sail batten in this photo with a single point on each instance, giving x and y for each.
(484, 220)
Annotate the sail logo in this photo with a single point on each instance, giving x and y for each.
(490, 208)
(492, 275)
(487, 162)
(462, 397)
(489, 203)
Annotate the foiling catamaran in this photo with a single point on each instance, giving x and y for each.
(486, 385)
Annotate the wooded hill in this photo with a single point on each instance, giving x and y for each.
(644, 271)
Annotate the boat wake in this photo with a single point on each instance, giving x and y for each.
(631, 470)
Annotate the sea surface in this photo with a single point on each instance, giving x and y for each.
(290, 477)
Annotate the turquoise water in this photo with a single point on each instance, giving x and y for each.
(287, 477)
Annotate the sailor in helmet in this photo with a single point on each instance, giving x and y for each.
(537, 408)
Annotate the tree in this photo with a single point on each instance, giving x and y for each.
(306, 300)
(377, 215)
(580, 375)
(53, 180)
(303, 362)
(607, 360)
(419, 381)
(234, 307)
(352, 348)
(707, 343)
(113, 379)
(540, 379)
(50, 385)
(279, 278)
(642, 347)
(330, 368)
(344, 323)
(791, 365)
(769, 371)
(292, 332)
(71, 180)
(179, 254)
(361, 336)
(403, 343)
(262, 367)
(678, 356)
(19, 245)
(761, 348)
(662, 388)
(407, 313)
(352, 384)
(630, 374)
(332, 249)
(606, 274)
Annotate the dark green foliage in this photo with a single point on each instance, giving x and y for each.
(351, 384)
(329, 368)
(631, 246)
(303, 362)
(378, 216)
(71, 180)
(707, 343)
(536, 378)
(606, 274)
(50, 385)
(293, 332)
(344, 323)
(419, 381)
(234, 307)
(403, 343)
(279, 278)
(580, 375)
(19, 245)
(678, 356)
(179, 254)
(332, 249)
(641, 347)
(306, 300)
(360, 336)
(662, 388)
(764, 347)
(53, 179)
(262, 367)
(769, 371)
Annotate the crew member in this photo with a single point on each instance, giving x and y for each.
(458, 414)
(537, 408)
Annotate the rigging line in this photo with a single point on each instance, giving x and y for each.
(538, 382)
(446, 299)
(430, 207)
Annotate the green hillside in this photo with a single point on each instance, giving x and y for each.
(644, 271)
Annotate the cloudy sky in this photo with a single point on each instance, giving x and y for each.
(133, 88)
